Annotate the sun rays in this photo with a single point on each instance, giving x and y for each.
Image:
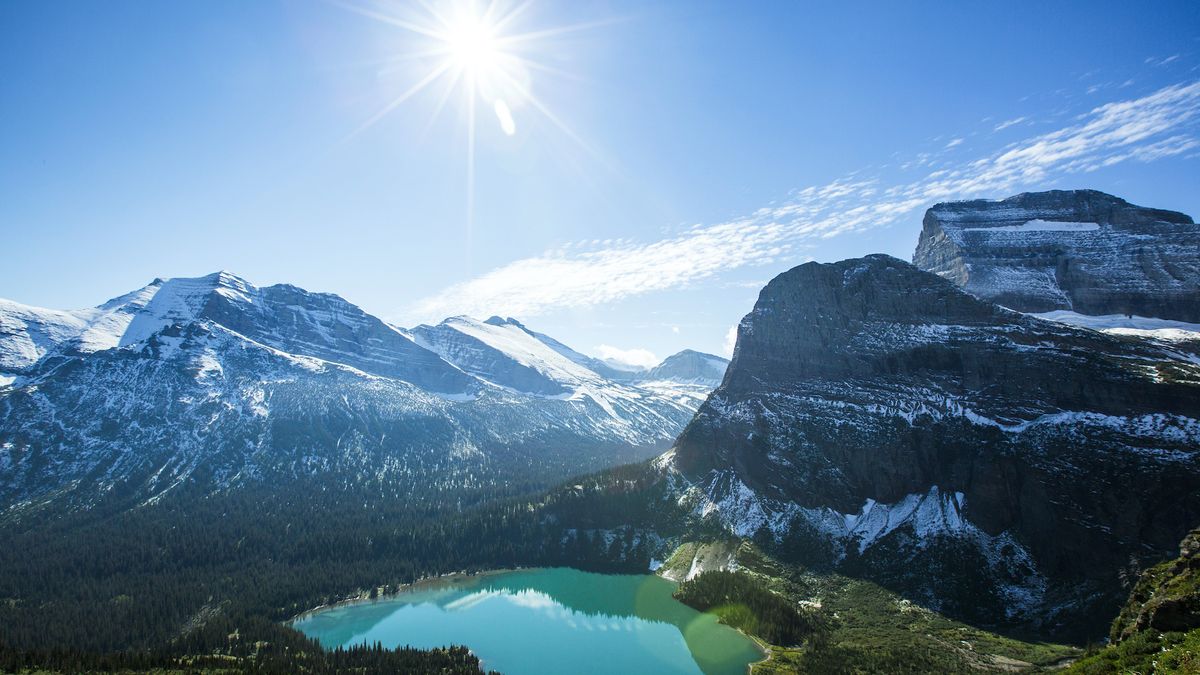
(477, 54)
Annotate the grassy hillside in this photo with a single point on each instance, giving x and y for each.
(1158, 630)
(854, 626)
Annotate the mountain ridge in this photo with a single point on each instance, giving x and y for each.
(876, 417)
(210, 382)
(134, 316)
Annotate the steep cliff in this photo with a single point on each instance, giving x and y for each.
(877, 418)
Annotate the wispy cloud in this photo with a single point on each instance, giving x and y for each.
(571, 277)
(1009, 123)
(640, 358)
(730, 341)
(1157, 61)
(1161, 124)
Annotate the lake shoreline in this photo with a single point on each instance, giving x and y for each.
(576, 586)
(404, 588)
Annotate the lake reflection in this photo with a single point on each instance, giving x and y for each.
(547, 621)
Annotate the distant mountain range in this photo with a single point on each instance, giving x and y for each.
(206, 383)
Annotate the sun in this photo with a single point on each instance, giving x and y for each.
(472, 44)
(474, 49)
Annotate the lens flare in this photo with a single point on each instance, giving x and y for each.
(505, 116)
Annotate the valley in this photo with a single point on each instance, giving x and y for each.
(892, 474)
(601, 337)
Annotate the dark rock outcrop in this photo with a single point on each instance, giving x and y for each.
(1166, 597)
(1158, 629)
(1079, 250)
(878, 418)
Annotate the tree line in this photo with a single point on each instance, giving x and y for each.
(745, 603)
(163, 581)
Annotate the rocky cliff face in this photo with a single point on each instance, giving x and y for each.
(1078, 250)
(878, 419)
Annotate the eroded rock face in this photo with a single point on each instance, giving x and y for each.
(1079, 250)
(878, 418)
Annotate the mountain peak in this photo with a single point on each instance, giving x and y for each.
(690, 365)
(1079, 250)
(817, 318)
(500, 321)
(879, 417)
(212, 280)
(225, 277)
(283, 317)
(504, 352)
(874, 285)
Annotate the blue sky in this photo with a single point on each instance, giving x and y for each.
(691, 150)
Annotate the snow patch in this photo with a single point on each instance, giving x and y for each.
(1038, 225)
(1121, 324)
(929, 516)
(934, 512)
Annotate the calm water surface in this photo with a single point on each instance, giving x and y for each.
(547, 622)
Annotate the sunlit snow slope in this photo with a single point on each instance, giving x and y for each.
(207, 383)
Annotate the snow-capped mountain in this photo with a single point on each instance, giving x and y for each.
(506, 353)
(614, 372)
(202, 384)
(281, 317)
(690, 366)
(1077, 250)
(878, 419)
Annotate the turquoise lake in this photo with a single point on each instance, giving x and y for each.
(546, 622)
